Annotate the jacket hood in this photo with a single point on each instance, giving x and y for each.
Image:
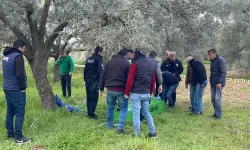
(9, 50)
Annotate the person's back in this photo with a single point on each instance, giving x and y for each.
(92, 70)
(140, 85)
(143, 78)
(114, 78)
(169, 78)
(116, 73)
(198, 72)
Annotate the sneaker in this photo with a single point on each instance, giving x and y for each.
(95, 117)
(121, 131)
(152, 135)
(215, 116)
(23, 140)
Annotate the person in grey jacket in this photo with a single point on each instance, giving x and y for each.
(218, 68)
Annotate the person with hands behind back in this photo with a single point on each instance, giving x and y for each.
(139, 87)
(114, 78)
(66, 68)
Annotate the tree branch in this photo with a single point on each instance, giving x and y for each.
(50, 40)
(29, 50)
(43, 20)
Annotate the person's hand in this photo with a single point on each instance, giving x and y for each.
(70, 73)
(218, 85)
(202, 85)
(126, 96)
(23, 91)
(186, 86)
(101, 92)
(160, 89)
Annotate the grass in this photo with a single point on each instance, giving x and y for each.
(176, 129)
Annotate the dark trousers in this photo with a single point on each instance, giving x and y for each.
(16, 102)
(174, 98)
(66, 83)
(156, 89)
(92, 92)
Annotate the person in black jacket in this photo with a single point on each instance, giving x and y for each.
(199, 78)
(114, 78)
(170, 83)
(173, 65)
(218, 75)
(14, 86)
(92, 71)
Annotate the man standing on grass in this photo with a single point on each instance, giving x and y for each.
(140, 85)
(199, 82)
(14, 86)
(218, 68)
(114, 78)
(173, 65)
(92, 71)
(66, 68)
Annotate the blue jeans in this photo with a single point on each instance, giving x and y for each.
(123, 105)
(192, 96)
(16, 101)
(199, 90)
(168, 92)
(141, 100)
(216, 96)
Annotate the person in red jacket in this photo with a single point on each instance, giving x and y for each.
(140, 85)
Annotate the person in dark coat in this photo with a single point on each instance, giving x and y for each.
(199, 77)
(14, 87)
(173, 65)
(170, 83)
(92, 71)
(114, 78)
(218, 69)
(190, 82)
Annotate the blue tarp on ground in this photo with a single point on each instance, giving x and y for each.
(62, 104)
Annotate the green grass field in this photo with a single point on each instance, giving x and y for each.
(176, 129)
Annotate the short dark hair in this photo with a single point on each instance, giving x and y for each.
(129, 51)
(152, 54)
(18, 43)
(98, 49)
(122, 52)
(212, 51)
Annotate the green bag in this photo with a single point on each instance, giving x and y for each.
(155, 107)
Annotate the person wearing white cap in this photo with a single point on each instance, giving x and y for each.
(200, 82)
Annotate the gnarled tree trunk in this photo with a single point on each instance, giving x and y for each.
(56, 73)
(39, 70)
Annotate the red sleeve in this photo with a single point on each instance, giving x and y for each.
(152, 86)
(131, 79)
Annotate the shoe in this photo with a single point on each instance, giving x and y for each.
(215, 116)
(195, 113)
(136, 136)
(121, 131)
(23, 140)
(95, 117)
(152, 135)
(11, 136)
(171, 106)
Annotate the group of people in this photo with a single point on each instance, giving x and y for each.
(128, 75)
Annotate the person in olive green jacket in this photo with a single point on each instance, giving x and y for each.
(66, 68)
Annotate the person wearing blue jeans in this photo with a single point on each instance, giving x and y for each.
(140, 85)
(123, 105)
(170, 84)
(200, 82)
(218, 68)
(114, 78)
(14, 86)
